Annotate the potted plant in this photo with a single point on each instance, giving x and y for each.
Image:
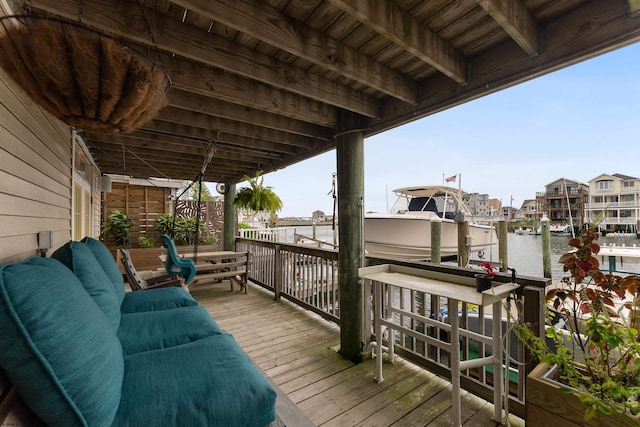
(595, 357)
(117, 226)
(483, 280)
(257, 197)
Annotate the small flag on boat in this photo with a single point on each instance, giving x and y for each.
(451, 178)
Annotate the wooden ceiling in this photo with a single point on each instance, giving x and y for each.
(264, 81)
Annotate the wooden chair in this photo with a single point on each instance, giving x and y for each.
(139, 284)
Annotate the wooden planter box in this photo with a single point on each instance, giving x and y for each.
(546, 405)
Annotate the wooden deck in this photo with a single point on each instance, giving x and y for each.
(297, 350)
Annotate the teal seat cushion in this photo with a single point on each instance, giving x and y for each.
(108, 264)
(156, 299)
(152, 330)
(205, 383)
(56, 345)
(80, 260)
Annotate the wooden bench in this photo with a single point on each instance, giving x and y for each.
(223, 265)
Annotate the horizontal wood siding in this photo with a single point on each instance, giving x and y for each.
(35, 174)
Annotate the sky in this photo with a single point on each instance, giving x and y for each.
(576, 123)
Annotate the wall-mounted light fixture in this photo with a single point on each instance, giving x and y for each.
(45, 242)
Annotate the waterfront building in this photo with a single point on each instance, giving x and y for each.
(477, 203)
(509, 213)
(618, 196)
(563, 201)
(495, 207)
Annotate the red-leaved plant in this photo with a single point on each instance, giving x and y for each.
(598, 355)
(490, 270)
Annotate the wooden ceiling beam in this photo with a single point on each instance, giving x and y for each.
(176, 146)
(205, 135)
(396, 24)
(230, 111)
(142, 26)
(269, 25)
(567, 41)
(516, 20)
(213, 82)
(137, 169)
(152, 157)
(186, 117)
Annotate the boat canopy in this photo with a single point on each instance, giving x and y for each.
(428, 191)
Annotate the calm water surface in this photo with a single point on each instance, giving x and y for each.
(525, 252)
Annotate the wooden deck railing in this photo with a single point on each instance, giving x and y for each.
(308, 277)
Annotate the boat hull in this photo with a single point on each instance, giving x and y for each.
(408, 237)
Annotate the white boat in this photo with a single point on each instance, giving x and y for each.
(614, 257)
(405, 233)
(560, 229)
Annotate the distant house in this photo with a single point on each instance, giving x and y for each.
(528, 210)
(618, 196)
(318, 216)
(563, 201)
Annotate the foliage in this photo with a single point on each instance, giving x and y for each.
(257, 197)
(210, 239)
(164, 224)
(118, 225)
(599, 354)
(185, 230)
(490, 270)
(146, 242)
(243, 225)
(192, 192)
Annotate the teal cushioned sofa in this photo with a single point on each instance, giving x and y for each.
(78, 359)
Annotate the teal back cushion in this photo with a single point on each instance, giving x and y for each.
(78, 258)
(56, 345)
(108, 264)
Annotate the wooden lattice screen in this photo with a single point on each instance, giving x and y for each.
(212, 215)
(146, 203)
(143, 203)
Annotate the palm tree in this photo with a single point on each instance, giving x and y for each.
(256, 197)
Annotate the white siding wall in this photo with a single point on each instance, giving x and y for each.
(35, 174)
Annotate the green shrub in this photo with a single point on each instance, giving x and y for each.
(146, 242)
(164, 224)
(117, 226)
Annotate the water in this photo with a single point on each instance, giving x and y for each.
(525, 251)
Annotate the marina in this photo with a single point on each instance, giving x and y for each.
(525, 250)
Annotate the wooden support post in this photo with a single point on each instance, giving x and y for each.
(350, 165)
(229, 230)
(463, 248)
(436, 240)
(503, 248)
(277, 273)
(546, 247)
(634, 8)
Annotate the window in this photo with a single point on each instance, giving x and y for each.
(606, 184)
(597, 199)
(628, 184)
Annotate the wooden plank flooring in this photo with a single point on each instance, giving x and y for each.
(297, 350)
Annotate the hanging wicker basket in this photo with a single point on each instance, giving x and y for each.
(83, 77)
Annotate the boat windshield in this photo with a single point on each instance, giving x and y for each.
(436, 205)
